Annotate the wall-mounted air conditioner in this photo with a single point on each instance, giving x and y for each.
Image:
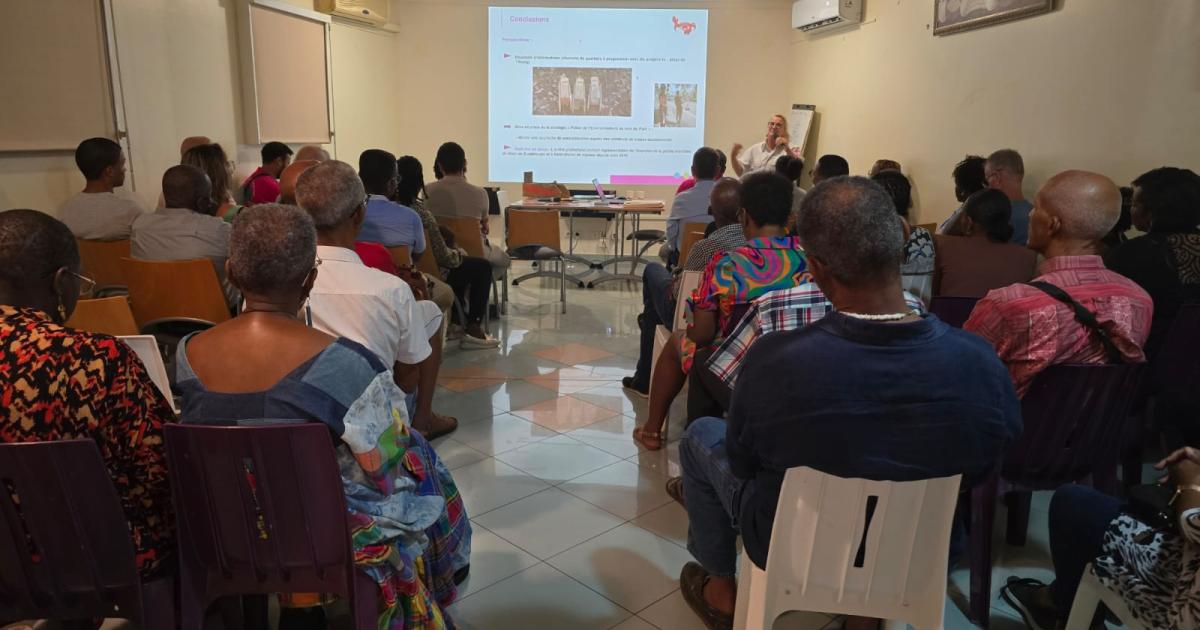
(373, 12)
(813, 16)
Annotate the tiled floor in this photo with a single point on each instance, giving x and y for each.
(573, 529)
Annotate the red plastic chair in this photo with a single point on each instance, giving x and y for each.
(1076, 419)
(955, 311)
(65, 551)
(261, 510)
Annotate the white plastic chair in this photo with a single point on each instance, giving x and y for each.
(1089, 596)
(853, 547)
(687, 284)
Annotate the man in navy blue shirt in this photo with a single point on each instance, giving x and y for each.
(387, 222)
(873, 390)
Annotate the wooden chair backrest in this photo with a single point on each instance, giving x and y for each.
(689, 241)
(108, 316)
(467, 233)
(532, 227)
(931, 227)
(427, 263)
(175, 288)
(101, 261)
(401, 256)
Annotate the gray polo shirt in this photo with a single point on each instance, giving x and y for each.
(181, 234)
(454, 196)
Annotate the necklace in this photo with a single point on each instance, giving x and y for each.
(882, 317)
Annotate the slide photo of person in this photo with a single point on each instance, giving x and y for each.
(675, 104)
(582, 91)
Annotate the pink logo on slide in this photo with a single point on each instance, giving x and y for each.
(686, 27)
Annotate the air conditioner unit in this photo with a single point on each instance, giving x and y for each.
(819, 15)
(373, 12)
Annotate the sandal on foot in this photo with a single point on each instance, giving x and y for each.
(650, 440)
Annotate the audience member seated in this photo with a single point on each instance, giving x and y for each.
(829, 166)
(792, 168)
(396, 487)
(263, 184)
(1166, 261)
(98, 213)
(826, 397)
(968, 180)
(1005, 171)
(59, 383)
(312, 152)
(287, 180)
(713, 375)
(916, 270)
(883, 164)
(469, 277)
(453, 196)
(211, 159)
(185, 228)
(1154, 569)
(690, 182)
(659, 293)
(691, 206)
(387, 222)
(983, 258)
(371, 307)
(1119, 233)
(768, 261)
(1032, 329)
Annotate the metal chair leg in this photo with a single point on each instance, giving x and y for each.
(562, 287)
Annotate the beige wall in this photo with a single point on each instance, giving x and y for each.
(180, 77)
(1106, 85)
(442, 65)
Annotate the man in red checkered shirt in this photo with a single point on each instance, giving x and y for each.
(1032, 330)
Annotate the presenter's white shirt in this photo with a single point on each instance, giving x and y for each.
(372, 307)
(759, 158)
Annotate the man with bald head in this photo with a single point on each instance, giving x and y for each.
(185, 228)
(312, 152)
(287, 179)
(658, 292)
(1033, 327)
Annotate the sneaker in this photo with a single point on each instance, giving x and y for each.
(471, 341)
(633, 386)
(1020, 594)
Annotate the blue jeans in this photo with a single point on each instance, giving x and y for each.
(658, 307)
(713, 496)
(1078, 517)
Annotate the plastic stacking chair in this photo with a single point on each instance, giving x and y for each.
(261, 510)
(955, 311)
(1089, 596)
(853, 547)
(65, 551)
(176, 288)
(109, 316)
(1076, 419)
(101, 261)
(533, 235)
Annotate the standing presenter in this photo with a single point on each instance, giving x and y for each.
(762, 156)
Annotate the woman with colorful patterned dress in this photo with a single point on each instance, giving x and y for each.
(409, 530)
(769, 260)
(58, 383)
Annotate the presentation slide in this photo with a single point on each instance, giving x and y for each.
(582, 94)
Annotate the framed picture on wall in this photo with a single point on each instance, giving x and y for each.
(952, 16)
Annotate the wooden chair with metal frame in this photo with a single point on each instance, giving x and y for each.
(693, 232)
(101, 261)
(401, 255)
(533, 235)
(174, 289)
(468, 235)
(427, 265)
(108, 316)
